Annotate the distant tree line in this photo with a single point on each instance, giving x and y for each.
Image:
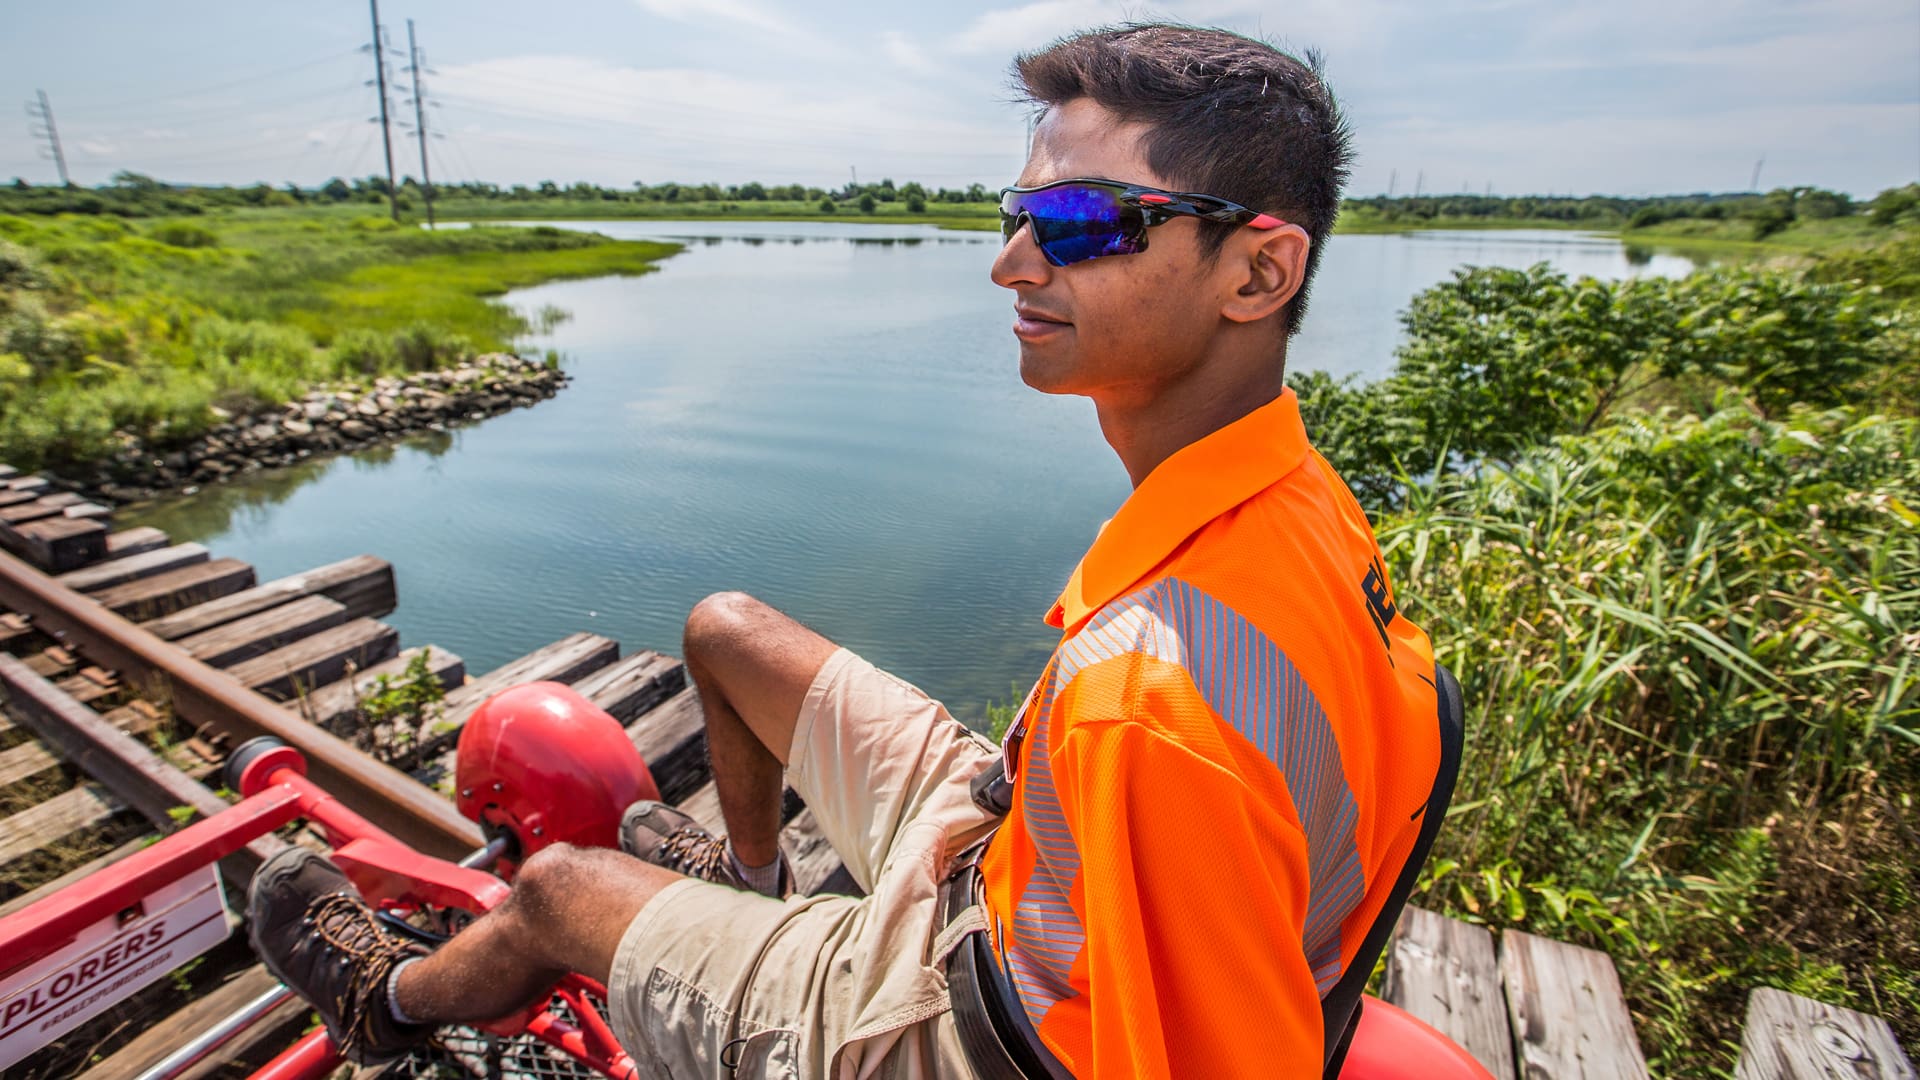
(1766, 214)
(132, 194)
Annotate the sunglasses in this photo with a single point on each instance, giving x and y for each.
(1081, 219)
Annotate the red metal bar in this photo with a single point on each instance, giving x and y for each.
(569, 1040)
(312, 1058)
(600, 1036)
(34, 932)
(335, 818)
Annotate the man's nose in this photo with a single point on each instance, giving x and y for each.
(1021, 261)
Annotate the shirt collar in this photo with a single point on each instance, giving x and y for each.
(1198, 483)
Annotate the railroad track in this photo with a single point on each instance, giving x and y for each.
(129, 665)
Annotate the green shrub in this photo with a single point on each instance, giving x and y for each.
(186, 234)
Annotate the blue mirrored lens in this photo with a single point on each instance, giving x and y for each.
(1073, 222)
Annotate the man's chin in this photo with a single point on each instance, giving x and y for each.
(1045, 370)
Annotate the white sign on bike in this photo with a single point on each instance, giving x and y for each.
(108, 961)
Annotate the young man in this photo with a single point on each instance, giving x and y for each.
(1217, 777)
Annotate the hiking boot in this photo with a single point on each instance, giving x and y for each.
(308, 924)
(667, 837)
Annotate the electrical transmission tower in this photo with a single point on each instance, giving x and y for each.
(420, 119)
(42, 116)
(379, 48)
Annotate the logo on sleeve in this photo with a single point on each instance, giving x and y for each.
(1380, 605)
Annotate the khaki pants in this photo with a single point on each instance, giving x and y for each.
(712, 982)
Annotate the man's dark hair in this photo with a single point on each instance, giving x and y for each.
(1225, 115)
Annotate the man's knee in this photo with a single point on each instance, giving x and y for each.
(720, 620)
(549, 876)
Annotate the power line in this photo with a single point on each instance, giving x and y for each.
(420, 120)
(380, 79)
(42, 116)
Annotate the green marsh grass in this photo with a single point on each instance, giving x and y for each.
(1691, 654)
(148, 327)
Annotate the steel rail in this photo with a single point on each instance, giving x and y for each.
(394, 801)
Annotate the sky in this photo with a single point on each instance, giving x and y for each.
(1631, 97)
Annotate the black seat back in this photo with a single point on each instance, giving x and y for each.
(1340, 1009)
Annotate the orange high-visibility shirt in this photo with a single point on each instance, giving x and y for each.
(1222, 771)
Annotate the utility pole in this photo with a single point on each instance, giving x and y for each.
(1753, 185)
(43, 114)
(420, 120)
(1419, 180)
(1393, 177)
(380, 80)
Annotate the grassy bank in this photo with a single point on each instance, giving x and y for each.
(156, 327)
(1689, 647)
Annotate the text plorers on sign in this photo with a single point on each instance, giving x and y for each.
(108, 961)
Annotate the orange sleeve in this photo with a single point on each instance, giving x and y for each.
(1195, 892)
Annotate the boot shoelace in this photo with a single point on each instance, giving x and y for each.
(695, 852)
(347, 928)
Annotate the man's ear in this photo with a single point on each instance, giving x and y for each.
(1267, 267)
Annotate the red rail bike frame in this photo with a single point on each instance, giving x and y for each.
(386, 871)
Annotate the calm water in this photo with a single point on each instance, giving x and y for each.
(828, 416)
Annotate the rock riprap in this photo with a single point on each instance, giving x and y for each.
(336, 418)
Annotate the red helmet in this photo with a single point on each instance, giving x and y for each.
(550, 767)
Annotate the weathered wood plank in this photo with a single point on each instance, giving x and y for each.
(13, 627)
(31, 484)
(336, 706)
(8, 472)
(271, 1033)
(50, 822)
(703, 806)
(1444, 971)
(1789, 1037)
(51, 662)
(163, 594)
(41, 892)
(256, 635)
(90, 510)
(28, 761)
(568, 660)
(363, 584)
(134, 567)
(87, 689)
(136, 541)
(319, 659)
(57, 545)
(634, 684)
(45, 506)
(136, 718)
(10, 497)
(672, 739)
(1568, 1015)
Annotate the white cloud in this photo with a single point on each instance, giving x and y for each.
(97, 147)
